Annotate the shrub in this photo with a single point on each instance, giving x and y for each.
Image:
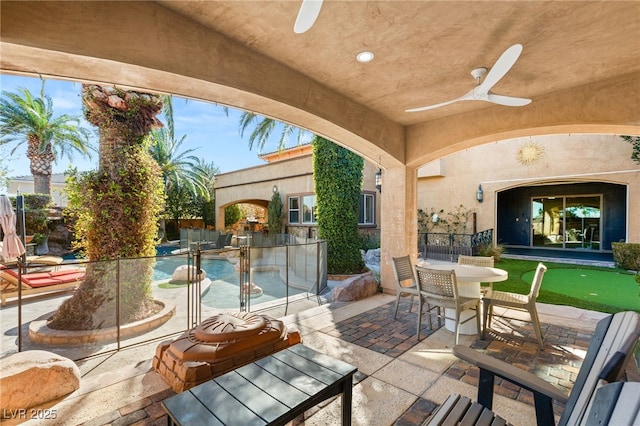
(627, 255)
(232, 215)
(369, 242)
(276, 214)
(489, 250)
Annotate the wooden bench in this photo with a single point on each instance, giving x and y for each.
(611, 346)
(273, 390)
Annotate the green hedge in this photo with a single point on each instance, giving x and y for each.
(338, 180)
(627, 255)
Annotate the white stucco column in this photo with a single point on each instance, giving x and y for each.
(398, 222)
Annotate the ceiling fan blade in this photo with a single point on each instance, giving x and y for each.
(466, 97)
(507, 100)
(501, 67)
(307, 15)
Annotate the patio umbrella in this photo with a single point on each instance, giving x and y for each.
(12, 247)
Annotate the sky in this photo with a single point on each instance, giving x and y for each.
(208, 129)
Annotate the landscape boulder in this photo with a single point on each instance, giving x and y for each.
(32, 378)
(355, 288)
(184, 272)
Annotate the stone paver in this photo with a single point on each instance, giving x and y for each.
(510, 340)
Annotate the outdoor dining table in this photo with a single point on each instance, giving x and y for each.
(469, 278)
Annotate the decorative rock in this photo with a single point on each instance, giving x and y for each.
(32, 378)
(253, 289)
(184, 272)
(371, 257)
(356, 288)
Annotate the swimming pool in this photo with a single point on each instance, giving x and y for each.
(224, 291)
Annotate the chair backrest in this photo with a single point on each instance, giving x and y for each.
(612, 341)
(437, 283)
(222, 239)
(405, 278)
(537, 282)
(485, 261)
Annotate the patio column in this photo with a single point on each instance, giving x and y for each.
(398, 221)
(220, 219)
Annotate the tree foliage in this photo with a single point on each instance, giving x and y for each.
(276, 214)
(338, 181)
(265, 127)
(635, 142)
(232, 214)
(180, 168)
(28, 119)
(206, 207)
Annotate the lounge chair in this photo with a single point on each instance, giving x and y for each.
(39, 282)
(35, 261)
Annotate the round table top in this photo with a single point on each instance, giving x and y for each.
(469, 273)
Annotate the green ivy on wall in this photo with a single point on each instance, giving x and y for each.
(338, 181)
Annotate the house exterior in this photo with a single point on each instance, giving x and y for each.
(24, 185)
(290, 172)
(575, 192)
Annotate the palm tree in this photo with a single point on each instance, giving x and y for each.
(24, 118)
(179, 168)
(207, 207)
(117, 209)
(264, 127)
(186, 182)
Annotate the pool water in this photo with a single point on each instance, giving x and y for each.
(215, 268)
(224, 291)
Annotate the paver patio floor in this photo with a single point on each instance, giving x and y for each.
(399, 381)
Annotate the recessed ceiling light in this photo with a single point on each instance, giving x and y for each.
(365, 57)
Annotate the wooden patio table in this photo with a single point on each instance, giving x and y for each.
(270, 391)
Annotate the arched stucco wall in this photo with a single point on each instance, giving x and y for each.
(453, 180)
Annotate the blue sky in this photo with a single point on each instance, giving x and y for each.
(208, 128)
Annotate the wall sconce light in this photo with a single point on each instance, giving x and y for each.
(379, 180)
(479, 194)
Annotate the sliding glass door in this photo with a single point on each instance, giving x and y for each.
(571, 222)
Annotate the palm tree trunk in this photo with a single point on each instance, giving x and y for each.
(41, 160)
(123, 202)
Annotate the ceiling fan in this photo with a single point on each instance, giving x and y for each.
(307, 15)
(482, 91)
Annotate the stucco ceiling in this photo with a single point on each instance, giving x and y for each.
(425, 50)
(580, 63)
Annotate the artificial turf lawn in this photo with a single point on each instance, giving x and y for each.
(564, 284)
(608, 288)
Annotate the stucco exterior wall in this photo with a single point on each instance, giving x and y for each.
(24, 185)
(289, 176)
(453, 180)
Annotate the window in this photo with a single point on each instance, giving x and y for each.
(294, 210)
(568, 222)
(309, 209)
(366, 210)
(302, 209)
